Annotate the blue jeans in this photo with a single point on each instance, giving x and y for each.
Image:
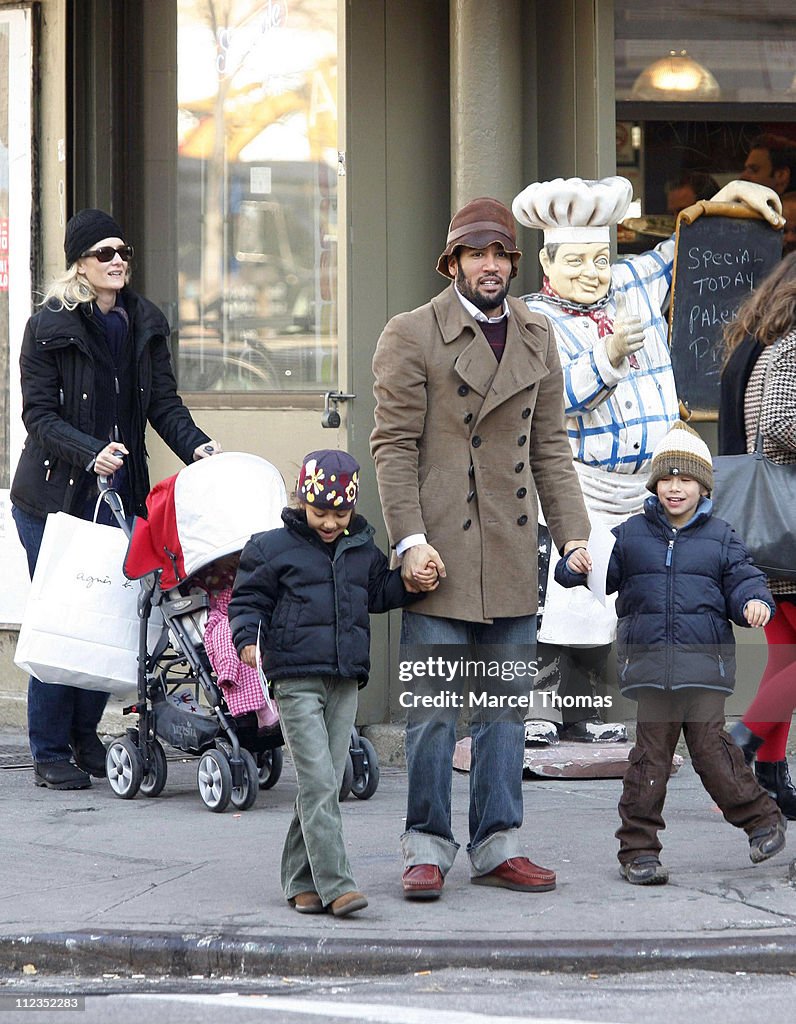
(56, 714)
(497, 745)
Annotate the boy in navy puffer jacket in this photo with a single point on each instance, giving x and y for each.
(305, 592)
(680, 576)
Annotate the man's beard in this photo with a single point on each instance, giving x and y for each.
(480, 301)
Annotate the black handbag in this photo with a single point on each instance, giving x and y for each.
(758, 498)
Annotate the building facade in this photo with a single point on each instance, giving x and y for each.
(286, 170)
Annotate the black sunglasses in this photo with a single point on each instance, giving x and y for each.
(105, 253)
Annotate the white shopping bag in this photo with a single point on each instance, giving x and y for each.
(81, 625)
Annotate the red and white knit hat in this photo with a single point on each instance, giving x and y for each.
(682, 452)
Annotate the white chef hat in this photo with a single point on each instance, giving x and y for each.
(572, 209)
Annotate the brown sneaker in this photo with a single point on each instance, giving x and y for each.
(307, 903)
(348, 903)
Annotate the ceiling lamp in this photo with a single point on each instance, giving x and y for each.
(676, 77)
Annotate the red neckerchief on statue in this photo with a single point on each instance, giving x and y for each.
(595, 311)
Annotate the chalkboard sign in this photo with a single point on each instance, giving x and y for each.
(722, 252)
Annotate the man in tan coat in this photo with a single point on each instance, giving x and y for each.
(469, 428)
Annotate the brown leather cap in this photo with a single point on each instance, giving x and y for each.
(478, 224)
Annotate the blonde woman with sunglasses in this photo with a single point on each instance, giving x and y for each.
(95, 369)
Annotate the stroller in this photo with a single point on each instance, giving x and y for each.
(205, 512)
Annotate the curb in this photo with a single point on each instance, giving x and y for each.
(213, 954)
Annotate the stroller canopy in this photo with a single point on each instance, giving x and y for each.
(206, 511)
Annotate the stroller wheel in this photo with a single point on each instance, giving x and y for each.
(269, 767)
(155, 778)
(243, 796)
(365, 764)
(125, 767)
(214, 779)
(348, 778)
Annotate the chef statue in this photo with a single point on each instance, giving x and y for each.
(619, 398)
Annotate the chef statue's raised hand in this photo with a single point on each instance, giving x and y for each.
(619, 394)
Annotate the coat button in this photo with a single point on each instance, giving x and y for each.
(71, 483)
(463, 390)
(467, 524)
(468, 417)
(476, 441)
(522, 520)
(470, 496)
(522, 440)
(471, 470)
(526, 413)
(522, 492)
(85, 396)
(519, 467)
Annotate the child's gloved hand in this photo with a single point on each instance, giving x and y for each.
(757, 613)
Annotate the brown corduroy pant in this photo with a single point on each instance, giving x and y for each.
(699, 715)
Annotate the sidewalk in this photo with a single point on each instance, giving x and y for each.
(93, 884)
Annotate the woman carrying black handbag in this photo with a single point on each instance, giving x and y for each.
(763, 337)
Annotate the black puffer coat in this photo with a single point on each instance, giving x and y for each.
(58, 406)
(678, 589)
(313, 608)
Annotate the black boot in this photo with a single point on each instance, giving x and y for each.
(59, 775)
(745, 739)
(89, 752)
(775, 779)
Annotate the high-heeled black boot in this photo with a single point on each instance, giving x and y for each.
(745, 739)
(774, 777)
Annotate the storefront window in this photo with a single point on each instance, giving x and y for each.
(257, 188)
(16, 196)
(696, 86)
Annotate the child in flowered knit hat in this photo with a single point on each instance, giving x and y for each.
(305, 592)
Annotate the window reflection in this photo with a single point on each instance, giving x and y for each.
(674, 144)
(257, 188)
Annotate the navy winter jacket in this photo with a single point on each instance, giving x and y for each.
(677, 591)
(313, 608)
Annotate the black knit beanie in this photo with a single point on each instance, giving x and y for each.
(85, 229)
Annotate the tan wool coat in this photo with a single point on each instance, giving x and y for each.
(462, 444)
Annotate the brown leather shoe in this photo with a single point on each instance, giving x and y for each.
(422, 882)
(520, 874)
(307, 903)
(348, 903)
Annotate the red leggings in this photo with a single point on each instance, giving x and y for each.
(769, 714)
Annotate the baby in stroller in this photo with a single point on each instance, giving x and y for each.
(241, 685)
